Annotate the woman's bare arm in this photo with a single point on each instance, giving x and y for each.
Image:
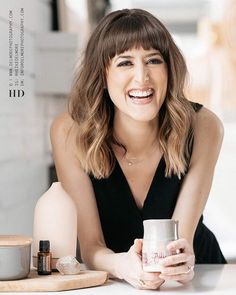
(75, 181)
(208, 136)
(79, 187)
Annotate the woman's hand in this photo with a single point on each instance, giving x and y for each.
(130, 269)
(178, 267)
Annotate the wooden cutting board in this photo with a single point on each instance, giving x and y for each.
(55, 282)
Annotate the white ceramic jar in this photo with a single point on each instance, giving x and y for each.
(158, 233)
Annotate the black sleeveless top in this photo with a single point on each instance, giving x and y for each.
(122, 220)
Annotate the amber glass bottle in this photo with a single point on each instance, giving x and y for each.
(44, 258)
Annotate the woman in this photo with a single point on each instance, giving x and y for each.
(132, 147)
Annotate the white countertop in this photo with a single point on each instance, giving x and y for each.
(209, 279)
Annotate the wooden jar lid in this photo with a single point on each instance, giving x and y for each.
(13, 240)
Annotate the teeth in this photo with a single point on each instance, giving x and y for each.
(140, 93)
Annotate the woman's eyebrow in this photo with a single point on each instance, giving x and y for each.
(129, 56)
(153, 53)
(123, 56)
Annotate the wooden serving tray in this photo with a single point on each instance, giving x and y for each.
(55, 282)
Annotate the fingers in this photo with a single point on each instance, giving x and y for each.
(150, 281)
(178, 267)
(149, 285)
(182, 273)
(138, 244)
(177, 270)
(178, 259)
(136, 249)
(181, 244)
(146, 281)
(135, 275)
(179, 277)
(185, 257)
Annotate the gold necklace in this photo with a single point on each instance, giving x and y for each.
(134, 160)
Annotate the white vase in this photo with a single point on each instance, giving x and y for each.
(55, 219)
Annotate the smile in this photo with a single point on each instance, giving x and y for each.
(140, 94)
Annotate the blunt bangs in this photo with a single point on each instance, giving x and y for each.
(130, 32)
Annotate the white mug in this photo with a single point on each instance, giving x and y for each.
(158, 233)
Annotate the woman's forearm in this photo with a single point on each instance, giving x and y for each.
(125, 265)
(102, 258)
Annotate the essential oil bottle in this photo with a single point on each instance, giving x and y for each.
(44, 258)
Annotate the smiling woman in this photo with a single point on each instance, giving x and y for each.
(125, 151)
(137, 82)
(123, 44)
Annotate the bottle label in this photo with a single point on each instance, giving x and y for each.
(44, 263)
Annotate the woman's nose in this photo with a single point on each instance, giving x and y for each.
(141, 74)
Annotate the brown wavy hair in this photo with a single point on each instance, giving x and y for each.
(92, 109)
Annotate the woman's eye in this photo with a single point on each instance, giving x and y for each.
(155, 61)
(124, 63)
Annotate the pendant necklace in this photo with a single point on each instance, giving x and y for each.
(133, 160)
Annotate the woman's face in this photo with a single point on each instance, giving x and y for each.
(137, 83)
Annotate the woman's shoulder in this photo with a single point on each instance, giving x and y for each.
(63, 130)
(209, 121)
(208, 128)
(63, 125)
(206, 119)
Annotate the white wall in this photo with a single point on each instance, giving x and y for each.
(24, 123)
(220, 209)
